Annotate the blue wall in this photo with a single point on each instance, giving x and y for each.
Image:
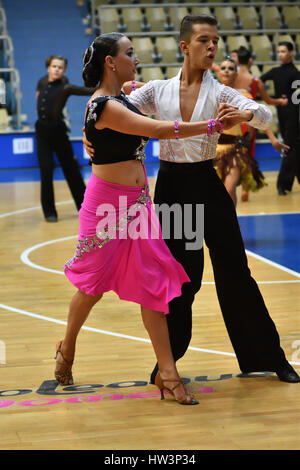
(18, 150)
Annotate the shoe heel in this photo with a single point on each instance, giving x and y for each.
(63, 374)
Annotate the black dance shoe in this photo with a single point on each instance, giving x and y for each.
(51, 218)
(281, 191)
(288, 374)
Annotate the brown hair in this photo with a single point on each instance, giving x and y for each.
(94, 57)
(58, 57)
(230, 60)
(186, 28)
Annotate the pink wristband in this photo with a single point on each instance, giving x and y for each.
(211, 127)
(133, 85)
(176, 129)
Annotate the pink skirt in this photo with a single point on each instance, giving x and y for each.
(121, 249)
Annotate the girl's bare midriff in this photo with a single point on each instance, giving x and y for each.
(130, 173)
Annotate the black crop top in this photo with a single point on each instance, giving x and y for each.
(111, 146)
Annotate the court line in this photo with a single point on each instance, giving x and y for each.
(268, 213)
(272, 263)
(110, 333)
(21, 211)
(25, 259)
(96, 330)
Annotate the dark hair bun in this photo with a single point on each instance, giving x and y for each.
(94, 57)
(91, 74)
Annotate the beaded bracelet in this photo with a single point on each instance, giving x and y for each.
(211, 127)
(176, 129)
(133, 85)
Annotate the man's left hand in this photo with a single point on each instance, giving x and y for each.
(234, 115)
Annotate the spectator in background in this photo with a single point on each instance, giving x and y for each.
(235, 163)
(285, 79)
(245, 80)
(52, 93)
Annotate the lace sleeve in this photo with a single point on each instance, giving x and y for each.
(143, 98)
(262, 116)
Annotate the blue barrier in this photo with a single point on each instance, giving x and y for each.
(18, 150)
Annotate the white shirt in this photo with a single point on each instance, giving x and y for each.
(162, 97)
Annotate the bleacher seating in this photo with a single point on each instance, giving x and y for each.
(144, 49)
(226, 17)
(109, 20)
(240, 18)
(291, 16)
(172, 71)
(176, 14)
(254, 24)
(272, 18)
(167, 48)
(221, 53)
(261, 47)
(133, 20)
(234, 42)
(248, 17)
(156, 19)
(152, 73)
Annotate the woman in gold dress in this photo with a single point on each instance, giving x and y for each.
(234, 163)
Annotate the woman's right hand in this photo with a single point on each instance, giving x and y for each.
(87, 145)
(235, 116)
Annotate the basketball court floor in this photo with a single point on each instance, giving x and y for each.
(112, 406)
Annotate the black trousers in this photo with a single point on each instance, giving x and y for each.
(54, 139)
(251, 330)
(288, 117)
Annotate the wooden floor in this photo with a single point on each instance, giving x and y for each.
(113, 406)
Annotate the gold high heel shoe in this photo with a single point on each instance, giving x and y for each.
(159, 382)
(63, 370)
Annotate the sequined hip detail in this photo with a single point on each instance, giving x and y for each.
(102, 238)
(140, 151)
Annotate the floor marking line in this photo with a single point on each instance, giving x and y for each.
(20, 211)
(25, 259)
(272, 263)
(110, 333)
(268, 213)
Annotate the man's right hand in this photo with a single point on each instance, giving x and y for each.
(87, 145)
